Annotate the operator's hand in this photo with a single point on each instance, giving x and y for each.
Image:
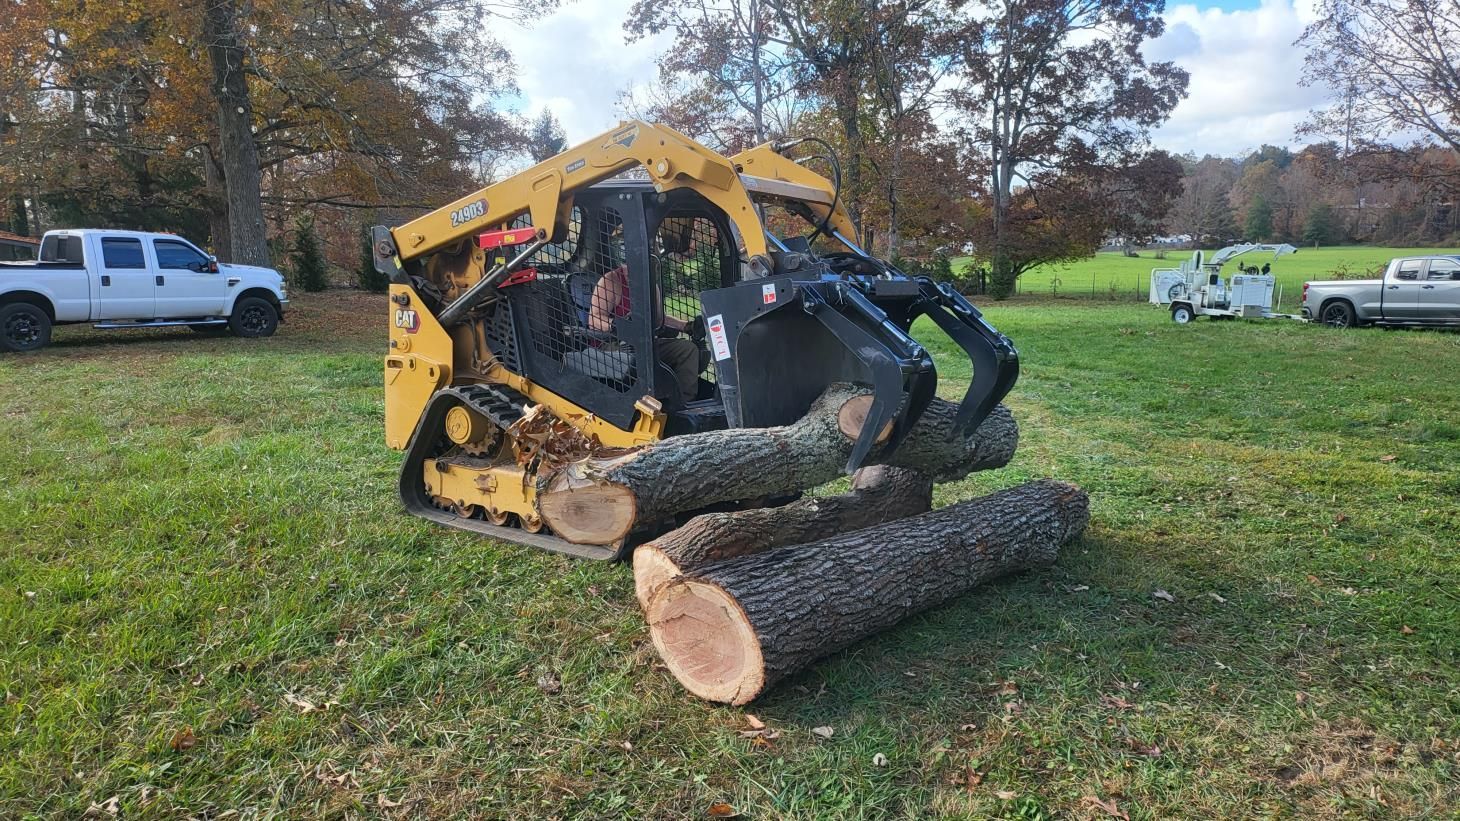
(696, 329)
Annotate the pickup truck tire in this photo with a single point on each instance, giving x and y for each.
(253, 317)
(1338, 314)
(1182, 314)
(24, 327)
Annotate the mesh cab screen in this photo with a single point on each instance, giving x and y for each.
(578, 321)
(689, 255)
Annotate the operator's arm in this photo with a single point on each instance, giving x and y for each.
(606, 296)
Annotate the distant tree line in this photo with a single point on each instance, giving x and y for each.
(1018, 130)
(1321, 195)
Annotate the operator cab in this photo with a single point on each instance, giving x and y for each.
(613, 311)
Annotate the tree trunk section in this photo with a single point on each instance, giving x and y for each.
(879, 494)
(730, 630)
(216, 204)
(600, 500)
(239, 155)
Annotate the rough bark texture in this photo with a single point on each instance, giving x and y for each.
(689, 472)
(239, 155)
(879, 494)
(730, 630)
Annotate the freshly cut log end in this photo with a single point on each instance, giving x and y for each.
(879, 494)
(706, 641)
(853, 417)
(728, 630)
(583, 511)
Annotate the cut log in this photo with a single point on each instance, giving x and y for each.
(659, 481)
(880, 493)
(731, 629)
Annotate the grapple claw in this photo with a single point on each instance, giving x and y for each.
(995, 359)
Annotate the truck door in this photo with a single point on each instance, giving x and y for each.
(1401, 289)
(1439, 294)
(186, 288)
(127, 282)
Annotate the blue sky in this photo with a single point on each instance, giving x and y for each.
(1244, 70)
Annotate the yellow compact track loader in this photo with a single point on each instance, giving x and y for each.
(636, 287)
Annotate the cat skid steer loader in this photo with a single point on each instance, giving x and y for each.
(636, 287)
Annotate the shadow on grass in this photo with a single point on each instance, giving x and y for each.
(1087, 626)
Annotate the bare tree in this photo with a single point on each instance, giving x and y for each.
(727, 47)
(1394, 64)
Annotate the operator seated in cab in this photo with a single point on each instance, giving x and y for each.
(686, 357)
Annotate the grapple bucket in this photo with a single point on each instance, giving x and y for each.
(788, 340)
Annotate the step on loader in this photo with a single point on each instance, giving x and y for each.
(632, 289)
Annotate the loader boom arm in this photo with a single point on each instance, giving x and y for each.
(544, 191)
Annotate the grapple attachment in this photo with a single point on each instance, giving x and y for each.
(789, 339)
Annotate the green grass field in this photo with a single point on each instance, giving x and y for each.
(213, 602)
(1115, 276)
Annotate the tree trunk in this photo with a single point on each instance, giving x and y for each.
(879, 494)
(216, 199)
(239, 155)
(601, 500)
(730, 630)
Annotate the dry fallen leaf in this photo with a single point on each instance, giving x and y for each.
(1407, 630)
(720, 809)
(110, 807)
(549, 683)
(1013, 708)
(1109, 806)
(1216, 598)
(183, 740)
(1007, 688)
(385, 803)
(1302, 697)
(1079, 588)
(1147, 750)
(1164, 596)
(879, 760)
(754, 722)
(1007, 795)
(304, 704)
(1388, 457)
(824, 732)
(1115, 702)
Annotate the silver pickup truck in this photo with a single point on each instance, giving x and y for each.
(1414, 291)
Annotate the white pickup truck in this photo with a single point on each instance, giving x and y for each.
(132, 279)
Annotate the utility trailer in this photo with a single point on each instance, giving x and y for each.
(1197, 287)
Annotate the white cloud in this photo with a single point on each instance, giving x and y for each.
(1244, 76)
(575, 61)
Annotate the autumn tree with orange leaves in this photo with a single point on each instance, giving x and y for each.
(128, 113)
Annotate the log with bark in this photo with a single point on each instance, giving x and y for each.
(601, 500)
(880, 493)
(731, 629)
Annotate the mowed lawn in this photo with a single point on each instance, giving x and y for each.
(1112, 275)
(213, 603)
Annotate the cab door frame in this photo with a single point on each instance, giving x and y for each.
(127, 284)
